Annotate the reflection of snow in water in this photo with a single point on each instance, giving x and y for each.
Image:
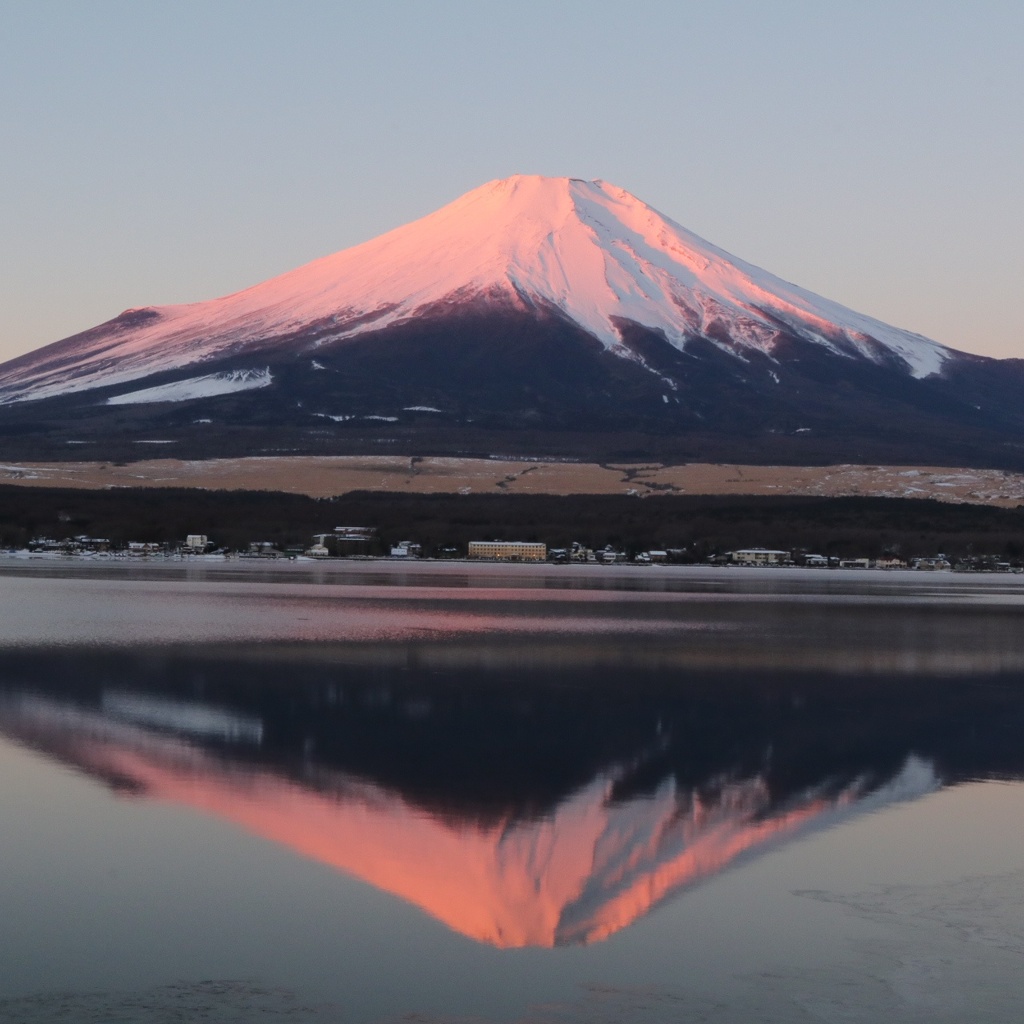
(183, 716)
(589, 869)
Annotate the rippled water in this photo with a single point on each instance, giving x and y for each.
(528, 793)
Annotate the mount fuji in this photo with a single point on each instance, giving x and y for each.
(544, 315)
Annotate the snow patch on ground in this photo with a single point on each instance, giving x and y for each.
(209, 386)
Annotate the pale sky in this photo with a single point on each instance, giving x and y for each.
(151, 153)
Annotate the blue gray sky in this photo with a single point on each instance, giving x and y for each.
(158, 153)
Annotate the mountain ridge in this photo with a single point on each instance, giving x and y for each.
(553, 312)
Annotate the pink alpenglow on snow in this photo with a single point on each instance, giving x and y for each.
(588, 250)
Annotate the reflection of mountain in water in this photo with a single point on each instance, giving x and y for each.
(648, 785)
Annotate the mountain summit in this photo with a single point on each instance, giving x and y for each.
(586, 250)
(530, 303)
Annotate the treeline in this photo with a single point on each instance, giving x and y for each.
(846, 527)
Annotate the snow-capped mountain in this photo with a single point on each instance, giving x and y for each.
(586, 249)
(528, 302)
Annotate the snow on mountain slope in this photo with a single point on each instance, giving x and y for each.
(197, 387)
(585, 248)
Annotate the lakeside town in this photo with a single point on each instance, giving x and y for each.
(364, 542)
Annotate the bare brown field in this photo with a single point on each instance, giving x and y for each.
(334, 475)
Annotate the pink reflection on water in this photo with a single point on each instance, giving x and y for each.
(578, 875)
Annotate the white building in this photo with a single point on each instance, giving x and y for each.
(508, 550)
(759, 556)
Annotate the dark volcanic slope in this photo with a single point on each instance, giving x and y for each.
(485, 381)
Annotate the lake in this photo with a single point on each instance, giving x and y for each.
(378, 792)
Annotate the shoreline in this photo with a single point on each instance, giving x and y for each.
(432, 572)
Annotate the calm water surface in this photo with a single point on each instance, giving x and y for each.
(447, 793)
